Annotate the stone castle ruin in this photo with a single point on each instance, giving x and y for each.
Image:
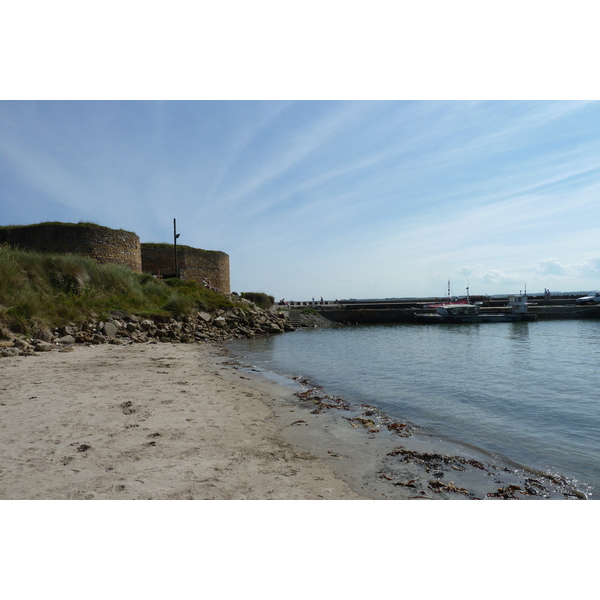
(209, 266)
(116, 246)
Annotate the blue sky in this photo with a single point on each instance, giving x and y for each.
(340, 199)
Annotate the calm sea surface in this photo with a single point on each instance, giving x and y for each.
(526, 392)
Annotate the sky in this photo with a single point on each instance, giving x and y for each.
(340, 199)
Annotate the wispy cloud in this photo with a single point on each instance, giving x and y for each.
(355, 197)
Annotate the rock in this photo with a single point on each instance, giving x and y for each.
(21, 344)
(220, 322)
(125, 328)
(45, 335)
(110, 330)
(44, 347)
(9, 352)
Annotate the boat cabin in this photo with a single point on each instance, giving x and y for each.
(518, 303)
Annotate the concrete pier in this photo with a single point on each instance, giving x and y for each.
(404, 311)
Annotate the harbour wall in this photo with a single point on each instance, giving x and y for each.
(406, 312)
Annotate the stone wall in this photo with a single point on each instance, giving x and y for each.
(117, 246)
(102, 244)
(194, 264)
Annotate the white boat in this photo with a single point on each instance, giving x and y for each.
(471, 313)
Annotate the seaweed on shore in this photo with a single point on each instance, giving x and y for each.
(321, 401)
(373, 419)
(434, 461)
(508, 492)
(366, 422)
(543, 486)
(439, 486)
(400, 429)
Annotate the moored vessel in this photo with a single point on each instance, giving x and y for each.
(471, 313)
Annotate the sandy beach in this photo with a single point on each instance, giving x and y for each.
(149, 421)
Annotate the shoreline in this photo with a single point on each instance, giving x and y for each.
(188, 421)
(385, 458)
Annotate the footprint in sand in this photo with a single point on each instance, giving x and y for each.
(127, 408)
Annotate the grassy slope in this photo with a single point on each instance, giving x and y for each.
(40, 290)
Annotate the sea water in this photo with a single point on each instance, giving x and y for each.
(523, 392)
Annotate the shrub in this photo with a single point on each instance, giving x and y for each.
(67, 272)
(180, 306)
(261, 299)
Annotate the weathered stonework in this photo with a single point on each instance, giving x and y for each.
(120, 247)
(194, 264)
(102, 244)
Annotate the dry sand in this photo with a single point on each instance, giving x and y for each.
(162, 421)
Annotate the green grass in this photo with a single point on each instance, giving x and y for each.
(81, 224)
(39, 290)
(261, 299)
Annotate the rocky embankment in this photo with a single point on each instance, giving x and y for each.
(124, 328)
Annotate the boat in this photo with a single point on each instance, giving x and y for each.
(453, 312)
(449, 300)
